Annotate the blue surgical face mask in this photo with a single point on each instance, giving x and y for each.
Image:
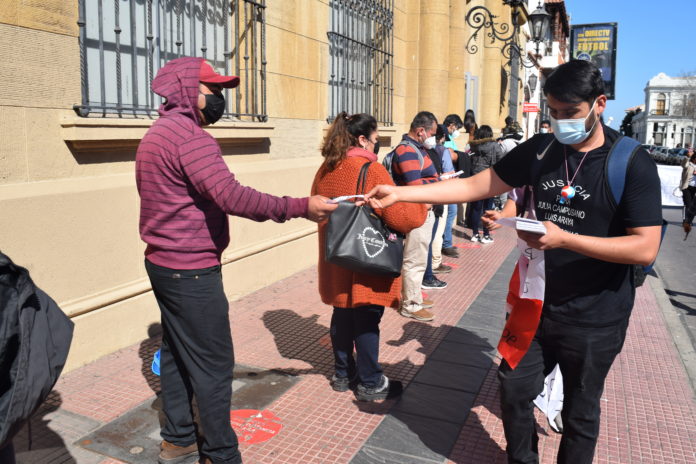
(572, 131)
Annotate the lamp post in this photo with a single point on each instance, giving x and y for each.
(480, 17)
(532, 81)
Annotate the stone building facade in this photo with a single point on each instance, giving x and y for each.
(67, 187)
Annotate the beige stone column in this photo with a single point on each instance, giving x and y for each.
(490, 107)
(458, 36)
(433, 48)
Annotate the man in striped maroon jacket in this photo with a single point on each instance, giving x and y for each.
(186, 192)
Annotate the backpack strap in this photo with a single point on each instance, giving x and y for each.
(617, 163)
(619, 157)
(417, 150)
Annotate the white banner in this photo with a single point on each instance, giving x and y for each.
(670, 177)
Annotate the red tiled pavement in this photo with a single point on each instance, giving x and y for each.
(648, 409)
(285, 326)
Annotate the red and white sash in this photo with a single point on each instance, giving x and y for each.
(524, 302)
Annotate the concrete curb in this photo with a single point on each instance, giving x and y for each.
(675, 325)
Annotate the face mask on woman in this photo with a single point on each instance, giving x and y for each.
(455, 134)
(572, 131)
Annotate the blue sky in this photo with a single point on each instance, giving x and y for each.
(654, 37)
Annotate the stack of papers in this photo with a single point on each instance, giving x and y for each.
(527, 225)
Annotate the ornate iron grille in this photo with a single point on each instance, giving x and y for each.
(123, 43)
(361, 44)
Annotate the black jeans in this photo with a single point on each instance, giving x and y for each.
(7, 454)
(688, 197)
(196, 358)
(585, 356)
(357, 327)
(477, 210)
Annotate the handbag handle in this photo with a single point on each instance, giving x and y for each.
(362, 178)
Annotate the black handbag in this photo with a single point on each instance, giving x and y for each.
(357, 239)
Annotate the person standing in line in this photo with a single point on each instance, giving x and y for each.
(186, 193)
(464, 163)
(486, 152)
(434, 261)
(590, 247)
(454, 124)
(413, 166)
(358, 299)
(688, 187)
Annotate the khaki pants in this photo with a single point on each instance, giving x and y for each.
(437, 241)
(415, 260)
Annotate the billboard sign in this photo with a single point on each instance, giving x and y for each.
(597, 43)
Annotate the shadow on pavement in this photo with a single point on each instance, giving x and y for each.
(37, 443)
(438, 396)
(146, 352)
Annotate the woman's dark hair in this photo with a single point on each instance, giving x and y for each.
(484, 132)
(545, 121)
(453, 119)
(441, 133)
(470, 122)
(574, 82)
(343, 134)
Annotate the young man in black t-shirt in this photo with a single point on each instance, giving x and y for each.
(590, 245)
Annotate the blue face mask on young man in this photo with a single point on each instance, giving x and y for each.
(572, 131)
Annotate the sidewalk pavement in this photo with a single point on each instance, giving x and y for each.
(107, 412)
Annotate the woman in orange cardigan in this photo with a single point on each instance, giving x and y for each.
(358, 299)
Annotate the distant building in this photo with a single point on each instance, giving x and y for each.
(553, 51)
(670, 112)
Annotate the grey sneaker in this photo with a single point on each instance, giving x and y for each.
(420, 315)
(383, 390)
(487, 239)
(442, 269)
(343, 384)
(475, 238)
(433, 284)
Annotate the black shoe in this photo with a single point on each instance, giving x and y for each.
(343, 384)
(451, 252)
(384, 390)
(433, 284)
(442, 269)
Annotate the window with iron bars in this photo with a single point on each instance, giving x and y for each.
(123, 43)
(361, 44)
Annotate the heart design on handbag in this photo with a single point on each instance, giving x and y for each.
(372, 240)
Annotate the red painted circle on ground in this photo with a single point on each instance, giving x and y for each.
(254, 426)
(452, 265)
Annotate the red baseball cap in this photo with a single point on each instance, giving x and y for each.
(209, 76)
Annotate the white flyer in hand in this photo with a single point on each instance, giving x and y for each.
(451, 176)
(524, 224)
(344, 198)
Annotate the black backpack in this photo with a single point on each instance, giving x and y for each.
(35, 337)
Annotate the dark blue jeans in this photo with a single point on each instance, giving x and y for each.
(359, 328)
(196, 358)
(585, 355)
(447, 234)
(477, 210)
(429, 265)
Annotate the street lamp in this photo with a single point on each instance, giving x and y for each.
(532, 81)
(480, 17)
(540, 20)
